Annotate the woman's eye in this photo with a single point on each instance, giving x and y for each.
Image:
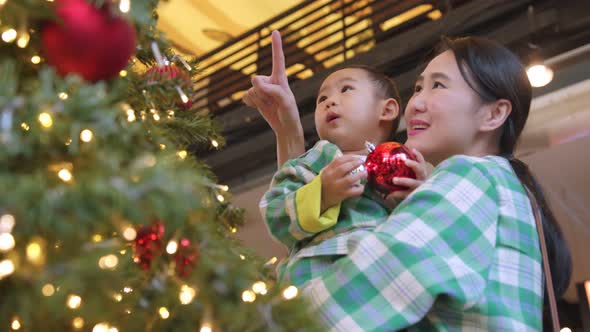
(437, 85)
(346, 88)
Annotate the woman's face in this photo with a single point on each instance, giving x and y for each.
(442, 115)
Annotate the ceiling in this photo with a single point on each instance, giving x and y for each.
(199, 26)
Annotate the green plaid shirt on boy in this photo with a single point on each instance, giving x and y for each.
(311, 253)
(461, 253)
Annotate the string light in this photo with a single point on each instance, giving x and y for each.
(224, 187)
(45, 120)
(9, 35)
(86, 135)
(96, 238)
(214, 143)
(233, 230)
(68, 141)
(290, 292)
(63, 96)
(6, 223)
(108, 262)
(172, 247)
(101, 327)
(206, 327)
(129, 233)
(127, 290)
(164, 313)
(35, 59)
(23, 40)
(162, 146)
(113, 329)
(187, 294)
(182, 154)
(48, 290)
(118, 297)
(183, 96)
(78, 323)
(123, 73)
(6, 242)
(6, 268)
(259, 287)
(242, 257)
(15, 325)
(25, 126)
(220, 198)
(35, 252)
(124, 6)
(248, 296)
(74, 301)
(156, 117)
(271, 261)
(65, 175)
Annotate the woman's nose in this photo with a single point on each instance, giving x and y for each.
(417, 104)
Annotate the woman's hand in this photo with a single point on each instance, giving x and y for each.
(421, 168)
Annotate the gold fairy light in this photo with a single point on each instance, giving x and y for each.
(248, 296)
(65, 175)
(259, 287)
(127, 290)
(23, 40)
(35, 59)
(290, 292)
(9, 35)
(172, 247)
(78, 323)
(113, 329)
(123, 73)
(187, 294)
(6, 268)
(35, 252)
(242, 257)
(15, 325)
(156, 117)
(162, 146)
(118, 297)
(206, 327)
(25, 126)
(96, 238)
(86, 135)
(271, 261)
(129, 233)
(220, 198)
(131, 117)
(48, 290)
(74, 301)
(182, 154)
(101, 327)
(6, 223)
(125, 6)
(45, 120)
(224, 187)
(233, 230)
(6, 242)
(63, 96)
(214, 143)
(108, 262)
(164, 313)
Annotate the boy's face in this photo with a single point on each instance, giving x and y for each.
(348, 111)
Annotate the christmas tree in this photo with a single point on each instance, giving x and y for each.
(108, 222)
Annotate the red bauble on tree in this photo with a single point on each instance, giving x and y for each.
(186, 257)
(385, 162)
(148, 244)
(88, 41)
(171, 72)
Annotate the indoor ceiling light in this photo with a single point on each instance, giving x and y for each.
(539, 75)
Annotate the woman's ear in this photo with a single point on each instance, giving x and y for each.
(390, 110)
(496, 115)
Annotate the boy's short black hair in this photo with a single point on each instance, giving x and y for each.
(385, 88)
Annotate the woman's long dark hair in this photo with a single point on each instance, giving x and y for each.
(494, 72)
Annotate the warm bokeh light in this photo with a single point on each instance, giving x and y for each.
(86, 135)
(48, 290)
(539, 75)
(164, 313)
(290, 292)
(74, 301)
(6, 242)
(248, 296)
(45, 120)
(187, 294)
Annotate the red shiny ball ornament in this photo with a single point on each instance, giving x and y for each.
(385, 162)
(172, 72)
(148, 244)
(88, 41)
(186, 257)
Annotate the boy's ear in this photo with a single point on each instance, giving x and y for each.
(496, 115)
(390, 110)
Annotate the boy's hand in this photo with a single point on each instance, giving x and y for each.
(422, 170)
(273, 98)
(338, 183)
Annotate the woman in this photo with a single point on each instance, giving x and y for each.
(462, 251)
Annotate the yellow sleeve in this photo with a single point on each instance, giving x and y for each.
(308, 204)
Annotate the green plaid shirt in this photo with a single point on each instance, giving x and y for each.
(311, 253)
(461, 253)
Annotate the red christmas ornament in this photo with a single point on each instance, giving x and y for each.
(147, 244)
(87, 40)
(186, 257)
(386, 162)
(171, 72)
